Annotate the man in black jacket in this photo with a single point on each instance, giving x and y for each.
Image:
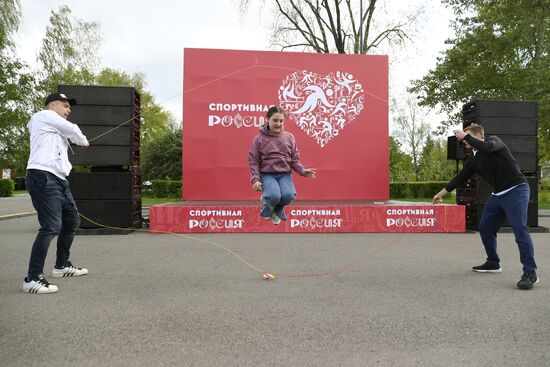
(493, 161)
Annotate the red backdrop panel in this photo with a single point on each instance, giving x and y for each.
(337, 110)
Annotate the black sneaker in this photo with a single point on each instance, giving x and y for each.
(488, 268)
(528, 280)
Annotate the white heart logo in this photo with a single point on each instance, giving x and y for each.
(321, 106)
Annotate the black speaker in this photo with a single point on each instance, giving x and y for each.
(109, 213)
(514, 122)
(110, 117)
(504, 125)
(104, 155)
(101, 115)
(455, 149)
(110, 194)
(108, 198)
(524, 149)
(499, 108)
(99, 95)
(105, 185)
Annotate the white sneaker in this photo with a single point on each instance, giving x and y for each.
(275, 219)
(38, 286)
(68, 271)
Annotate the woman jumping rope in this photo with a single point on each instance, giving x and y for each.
(272, 157)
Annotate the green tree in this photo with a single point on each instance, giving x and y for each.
(10, 16)
(401, 166)
(69, 51)
(155, 120)
(411, 130)
(433, 164)
(17, 91)
(69, 56)
(161, 158)
(501, 50)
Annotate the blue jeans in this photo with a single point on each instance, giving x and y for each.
(277, 191)
(512, 205)
(57, 215)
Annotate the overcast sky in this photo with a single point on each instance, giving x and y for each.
(149, 36)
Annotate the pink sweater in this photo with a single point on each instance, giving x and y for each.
(270, 153)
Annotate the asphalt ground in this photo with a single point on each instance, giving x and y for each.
(168, 300)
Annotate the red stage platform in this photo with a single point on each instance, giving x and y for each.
(307, 217)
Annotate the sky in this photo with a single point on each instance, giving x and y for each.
(149, 37)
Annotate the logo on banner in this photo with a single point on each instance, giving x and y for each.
(322, 106)
(216, 219)
(316, 218)
(410, 218)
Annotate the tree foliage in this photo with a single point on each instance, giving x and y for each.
(411, 130)
(155, 120)
(401, 166)
(336, 26)
(17, 90)
(162, 157)
(501, 50)
(69, 55)
(10, 16)
(69, 51)
(433, 164)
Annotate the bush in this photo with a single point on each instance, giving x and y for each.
(426, 189)
(7, 185)
(400, 190)
(166, 188)
(161, 157)
(544, 196)
(20, 183)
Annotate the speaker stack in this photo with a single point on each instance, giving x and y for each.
(110, 194)
(516, 123)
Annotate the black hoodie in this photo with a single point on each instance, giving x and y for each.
(493, 162)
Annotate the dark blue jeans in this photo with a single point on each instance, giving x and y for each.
(57, 215)
(277, 191)
(512, 205)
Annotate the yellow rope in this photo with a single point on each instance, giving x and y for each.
(181, 235)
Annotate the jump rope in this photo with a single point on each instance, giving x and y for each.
(264, 274)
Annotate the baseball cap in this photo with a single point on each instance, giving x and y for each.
(59, 97)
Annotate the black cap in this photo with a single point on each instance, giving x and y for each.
(59, 97)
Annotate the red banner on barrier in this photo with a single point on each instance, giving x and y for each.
(337, 109)
(176, 218)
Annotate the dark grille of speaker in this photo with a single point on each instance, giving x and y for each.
(516, 123)
(111, 194)
(100, 96)
(98, 110)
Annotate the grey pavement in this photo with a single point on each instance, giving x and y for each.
(15, 205)
(167, 300)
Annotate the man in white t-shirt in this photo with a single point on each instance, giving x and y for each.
(46, 182)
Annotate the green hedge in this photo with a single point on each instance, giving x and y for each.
(7, 185)
(425, 189)
(20, 183)
(166, 188)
